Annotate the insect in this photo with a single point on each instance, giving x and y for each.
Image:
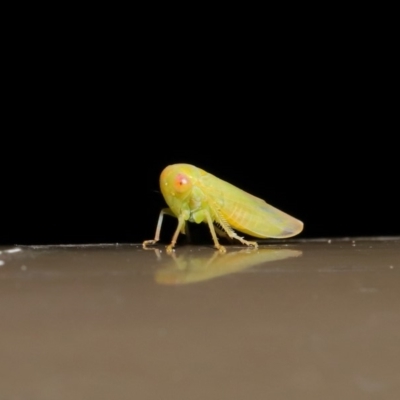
(194, 195)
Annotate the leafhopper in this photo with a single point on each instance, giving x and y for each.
(194, 195)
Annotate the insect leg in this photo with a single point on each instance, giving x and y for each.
(181, 223)
(221, 233)
(213, 234)
(232, 234)
(166, 211)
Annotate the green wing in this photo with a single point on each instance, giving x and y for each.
(247, 213)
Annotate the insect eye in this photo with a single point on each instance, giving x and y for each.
(182, 183)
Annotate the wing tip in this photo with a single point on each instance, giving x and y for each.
(295, 228)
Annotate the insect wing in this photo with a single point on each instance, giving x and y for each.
(247, 213)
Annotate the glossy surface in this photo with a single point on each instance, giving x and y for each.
(291, 320)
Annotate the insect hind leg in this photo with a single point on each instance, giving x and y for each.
(232, 234)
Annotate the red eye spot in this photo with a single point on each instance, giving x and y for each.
(182, 183)
(181, 180)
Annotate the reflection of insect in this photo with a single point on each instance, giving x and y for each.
(193, 267)
(197, 196)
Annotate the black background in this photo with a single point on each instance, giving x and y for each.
(311, 129)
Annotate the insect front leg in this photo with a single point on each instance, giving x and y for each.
(166, 211)
(179, 228)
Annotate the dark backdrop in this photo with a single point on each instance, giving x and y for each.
(85, 138)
